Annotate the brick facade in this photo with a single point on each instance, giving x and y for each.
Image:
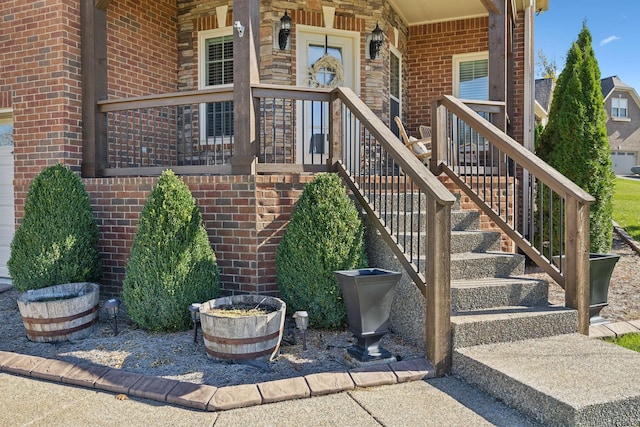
(152, 48)
(40, 60)
(431, 48)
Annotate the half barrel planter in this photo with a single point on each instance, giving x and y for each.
(246, 337)
(61, 312)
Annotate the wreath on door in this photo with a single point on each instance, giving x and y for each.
(326, 63)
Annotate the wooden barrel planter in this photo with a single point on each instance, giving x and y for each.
(60, 313)
(244, 337)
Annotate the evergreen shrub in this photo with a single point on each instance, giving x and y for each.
(171, 264)
(575, 139)
(57, 241)
(325, 234)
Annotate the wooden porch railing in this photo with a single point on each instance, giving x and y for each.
(542, 211)
(303, 130)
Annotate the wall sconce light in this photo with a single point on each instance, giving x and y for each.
(377, 37)
(239, 27)
(112, 306)
(285, 30)
(302, 323)
(194, 309)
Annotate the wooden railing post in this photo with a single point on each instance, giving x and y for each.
(438, 137)
(438, 294)
(577, 261)
(335, 129)
(245, 72)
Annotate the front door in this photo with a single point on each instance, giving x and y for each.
(327, 58)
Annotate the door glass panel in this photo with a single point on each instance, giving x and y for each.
(321, 76)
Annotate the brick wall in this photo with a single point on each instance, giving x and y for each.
(142, 52)
(517, 119)
(40, 80)
(245, 217)
(431, 48)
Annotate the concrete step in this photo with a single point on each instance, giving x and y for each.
(465, 220)
(460, 221)
(496, 292)
(461, 241)
(472, 265)
(505, 324)
(566, 380)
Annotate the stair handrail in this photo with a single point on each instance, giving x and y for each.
(574, 277)
(436, 282)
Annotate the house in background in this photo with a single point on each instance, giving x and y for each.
(622, 105)
(544, 94)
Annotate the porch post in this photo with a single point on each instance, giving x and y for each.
(94, 87)
(498, 54)
(246, 13)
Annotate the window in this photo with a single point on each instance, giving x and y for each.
(6, 128)
(470, 81)
(216, 68)
(619, 108)
(471, 76)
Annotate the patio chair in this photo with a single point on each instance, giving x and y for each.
(421, 148)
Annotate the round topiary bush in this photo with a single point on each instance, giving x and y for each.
(57, 241)
(171, 264)
(325, 234)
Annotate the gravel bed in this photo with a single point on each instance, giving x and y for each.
(176, 356)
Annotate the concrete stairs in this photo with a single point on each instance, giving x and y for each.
(509, 341)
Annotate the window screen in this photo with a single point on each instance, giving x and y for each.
(474, 80)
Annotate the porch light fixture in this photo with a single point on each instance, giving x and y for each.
(112, 306)
(302, 323)
(194, 309)
(285, 30)
(377, 37)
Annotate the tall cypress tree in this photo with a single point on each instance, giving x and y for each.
(575, 140)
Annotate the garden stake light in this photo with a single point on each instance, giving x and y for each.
(194, 309)
(112, 306)
(302, 322)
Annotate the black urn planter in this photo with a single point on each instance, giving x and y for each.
(600, 270)
(368, 294)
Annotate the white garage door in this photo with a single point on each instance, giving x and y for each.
(6, 189)
(623, 162)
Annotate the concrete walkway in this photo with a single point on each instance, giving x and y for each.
(36, 391)
(436, 402)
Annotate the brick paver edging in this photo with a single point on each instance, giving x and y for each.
(207, 397)
(626, 237)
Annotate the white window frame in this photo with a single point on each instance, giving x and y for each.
(203, 36)
(395, 52)
(616, 107)
(459, 59)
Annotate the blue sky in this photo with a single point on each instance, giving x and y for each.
(614, 26)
